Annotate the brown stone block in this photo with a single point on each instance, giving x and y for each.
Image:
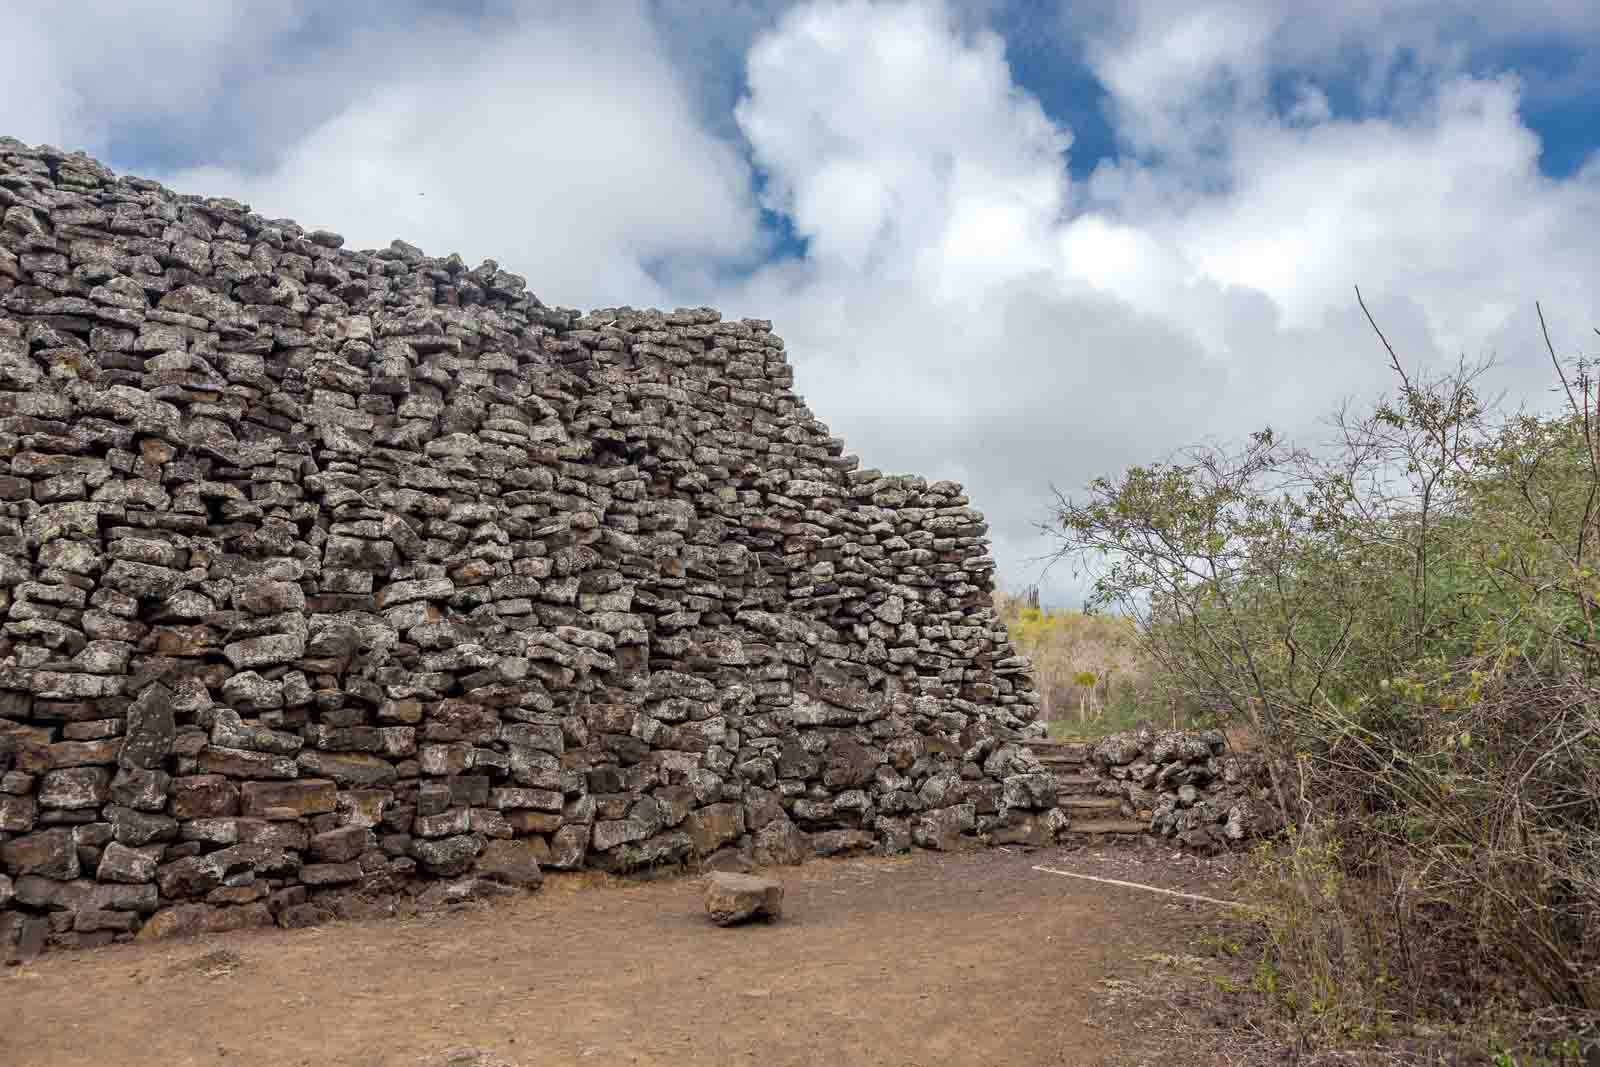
(533, 822)
(17, 814)
(305, 797)
(49, 853)
(75, 788)
(714, 826)
(514, 862)
(243, 763)
(350, 770)
(204, 796)
(85, 753)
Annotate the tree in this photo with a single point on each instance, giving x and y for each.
(1076, 657)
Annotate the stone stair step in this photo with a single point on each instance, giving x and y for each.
(1076, 784)
(1063, 758)
(1108, 826)
(1076, 803)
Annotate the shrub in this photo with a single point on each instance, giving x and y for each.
(1090, 670)
(1407, 620)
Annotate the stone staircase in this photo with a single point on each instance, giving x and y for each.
(1076, 783)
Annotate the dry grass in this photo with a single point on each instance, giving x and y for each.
(1203, 1004)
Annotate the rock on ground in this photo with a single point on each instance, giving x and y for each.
(734, 898)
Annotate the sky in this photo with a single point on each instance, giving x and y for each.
(1017, 244)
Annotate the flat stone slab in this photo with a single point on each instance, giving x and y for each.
(735, 898)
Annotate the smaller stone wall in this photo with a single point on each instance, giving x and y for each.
(1183, 785)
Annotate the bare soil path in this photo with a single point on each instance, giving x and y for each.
(929, 959)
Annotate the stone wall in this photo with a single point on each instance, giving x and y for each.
(329, 575)
(1184, 785)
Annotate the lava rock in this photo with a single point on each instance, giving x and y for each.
(734, 898)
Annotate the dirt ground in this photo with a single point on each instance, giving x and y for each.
(928, 959)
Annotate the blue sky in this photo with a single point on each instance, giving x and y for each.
(1017, 244)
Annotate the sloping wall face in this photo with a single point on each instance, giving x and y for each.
(330, 573)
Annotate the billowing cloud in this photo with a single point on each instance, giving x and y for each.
(964, 311)
(897, 148)
(566, 140)
(85, 76)
(568, 150)
(1177, 69)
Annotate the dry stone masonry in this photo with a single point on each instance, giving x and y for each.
(341, 582)
(1181, 785)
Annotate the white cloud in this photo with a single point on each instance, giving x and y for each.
(561, 138)
(1177, 69)
(78, 74)
(578, 166)
(1403, 206)
(965, 312)
(896, 143)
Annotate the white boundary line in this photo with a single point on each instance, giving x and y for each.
(1147, 888)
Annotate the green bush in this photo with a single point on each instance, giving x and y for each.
(1409, 623)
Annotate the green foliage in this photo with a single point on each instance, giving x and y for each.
(1090, 669)
(1408, 622)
